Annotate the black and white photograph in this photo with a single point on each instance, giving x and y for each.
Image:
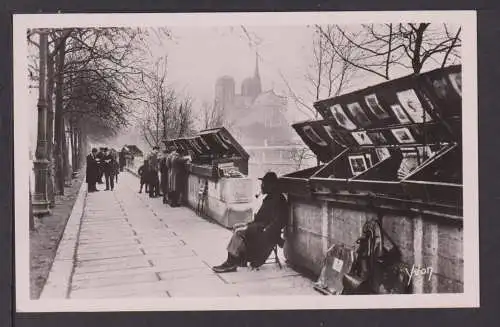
(411, 103)
(168, 162)
(313, 136)
(382, 153)
(375, 107)
(361, 137)
(358, 114)
(358, 164)
(341, 118)
(456, 82)
(400, 114)
(403, 135)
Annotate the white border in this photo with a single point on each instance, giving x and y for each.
(470, 297)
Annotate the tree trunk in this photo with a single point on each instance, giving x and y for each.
(59, 120)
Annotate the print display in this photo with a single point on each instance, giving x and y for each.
(456, 82)
(403, 135)
(341, 118)
(400, 114)
(411, 103)
(375, 107)
(362, 138)
(359, 115)
(382, 153)
(313, 136)
(358, 164)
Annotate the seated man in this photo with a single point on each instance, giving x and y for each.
(253, 242)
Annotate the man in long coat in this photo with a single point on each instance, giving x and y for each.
(92, 170)
(164, 175)
(253, 242)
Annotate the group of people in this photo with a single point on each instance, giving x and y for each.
(102, 163)
(165, 174)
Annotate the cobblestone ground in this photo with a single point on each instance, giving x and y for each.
(133, 246)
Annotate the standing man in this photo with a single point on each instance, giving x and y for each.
(172, 157)
(108, 170)
(180, 178)
(154, 165)
(254, 241)
(164, 174)
(122, 158)
(92, 170)
(100, 156)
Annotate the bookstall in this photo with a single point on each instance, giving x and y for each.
(218, 186)
(391, 152)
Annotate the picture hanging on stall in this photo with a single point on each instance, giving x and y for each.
(313, 136)
(400, 114)
(411, 103)
(409, 162)
(440, 88)
(341, 118)
(221, 141)
(456, 82)
(369, 162)
(331, 133)
(195, 145)
(382, 153)
(375, 107)
(362, 138)
(359, 115)
(377, 137)
(403, 135)
(358, 164)
(203, 143)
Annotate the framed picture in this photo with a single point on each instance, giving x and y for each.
(440, 88)
(203, 144)
(409, 162)
(195, 145)
(369, 162)
(382, 153)
(456, 82)
(358, 114)
(375, 107)
(411, 103)
(362, 138)
(331, 133)
(220, 141)
(358, 164)
(400, 114)
(403, 135)
(341, 118)
(377, 137)
(313, 136)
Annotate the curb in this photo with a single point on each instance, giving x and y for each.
(59, 279)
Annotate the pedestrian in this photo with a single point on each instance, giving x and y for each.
(154, 166)
(116, 165)
(253, 242)
(100, 156)
(164, 175)
(108, 170)
(143, 174)
(92, 170)
(179, 176)
(171, 176)
(122, 158)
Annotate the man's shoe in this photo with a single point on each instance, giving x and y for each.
(225, 268)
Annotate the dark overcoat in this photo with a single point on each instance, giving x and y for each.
(92, 170)
(264, 231)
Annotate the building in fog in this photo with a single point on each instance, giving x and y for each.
(255, 117)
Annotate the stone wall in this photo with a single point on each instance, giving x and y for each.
(424, 241)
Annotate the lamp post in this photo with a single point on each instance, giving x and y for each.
(40, 199)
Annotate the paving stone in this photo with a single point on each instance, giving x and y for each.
(132, 278)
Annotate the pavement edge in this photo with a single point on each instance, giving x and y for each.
(59, 279)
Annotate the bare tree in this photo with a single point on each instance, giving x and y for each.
(379, 48)
(211, 115)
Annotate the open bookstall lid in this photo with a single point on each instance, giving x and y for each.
(215, 142)
(321, 137)
(416, 109)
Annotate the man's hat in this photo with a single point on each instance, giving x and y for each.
(94, 150)
(105, 149)
(269, 177)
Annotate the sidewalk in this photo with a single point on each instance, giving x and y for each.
(132, 246)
